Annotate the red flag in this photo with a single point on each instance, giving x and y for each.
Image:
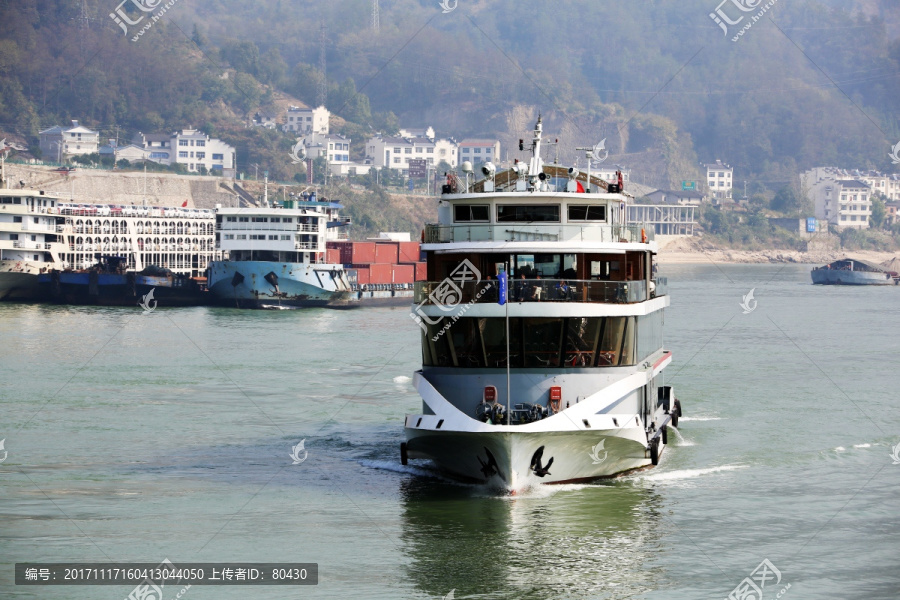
(580, 189)
(183, 204)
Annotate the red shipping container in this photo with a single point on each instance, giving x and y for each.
(362, 253)
(336, 244)
(380, 273)
(409, 252)
(333, 256)
(387, 253)
(421, 271)
(404, 273)
(362, 276)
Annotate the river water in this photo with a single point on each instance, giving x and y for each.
(135, 437)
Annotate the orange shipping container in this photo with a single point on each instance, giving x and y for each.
(421, 271)
(387, 253)
(409, 252)
(361, 252)
(380, 273)
(362, 276)
(404, 273)
(333, 256)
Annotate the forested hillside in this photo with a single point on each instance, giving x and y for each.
(811, 83)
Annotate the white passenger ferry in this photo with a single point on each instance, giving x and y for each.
(44, 237)
(564, 381)
(30, 242)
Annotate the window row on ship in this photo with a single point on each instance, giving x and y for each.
(542, 342)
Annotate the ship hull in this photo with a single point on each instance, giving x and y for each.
(18, 285)
(844, 277)
(505, 459)
(263, 284)
(611, 431)
(119, 289)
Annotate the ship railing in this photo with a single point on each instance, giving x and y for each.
(659, 286)
(450, 293)
(27, 245)
(520, 232)
(308, 227)
(306, 245)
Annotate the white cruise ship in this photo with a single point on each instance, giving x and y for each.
(30, 241)
(562, 382)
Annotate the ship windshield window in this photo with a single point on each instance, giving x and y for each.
(537, 342)
(585, 212)
(471, 212)
(527, 213)
(582, 337)
(543, 338)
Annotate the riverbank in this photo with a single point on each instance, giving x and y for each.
(692, 251)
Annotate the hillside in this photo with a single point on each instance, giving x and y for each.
(659, 81)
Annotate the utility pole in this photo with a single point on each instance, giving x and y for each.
(322, 88)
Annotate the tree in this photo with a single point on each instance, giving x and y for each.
(785, 200)
(879, 211)
(198, 38)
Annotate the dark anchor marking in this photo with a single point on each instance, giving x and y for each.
(536, 467)
(490, 467)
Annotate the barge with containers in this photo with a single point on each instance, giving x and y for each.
(382, 271)
(542, 332)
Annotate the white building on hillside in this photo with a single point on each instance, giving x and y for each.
(158, 145)
(195, 149)
(395, 152)
(335, 148)
(479, 151)
(58, 142)
(719, 177)
(305, 120)
(838, 197)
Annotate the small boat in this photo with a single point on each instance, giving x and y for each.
(852, 271)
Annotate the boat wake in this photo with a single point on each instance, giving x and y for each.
(679, 440)
(687, 473)
(700, 419)
(387, 465)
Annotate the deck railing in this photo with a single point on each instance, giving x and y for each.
(449, 293)
(522, 232)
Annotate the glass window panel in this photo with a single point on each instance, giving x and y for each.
(528, 213)
(466, 341)
(542, 342)
(611, 342)
(585, 212)
(582, 337)
(493, 332)
(628, 347)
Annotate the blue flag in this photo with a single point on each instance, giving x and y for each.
(504, 287)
